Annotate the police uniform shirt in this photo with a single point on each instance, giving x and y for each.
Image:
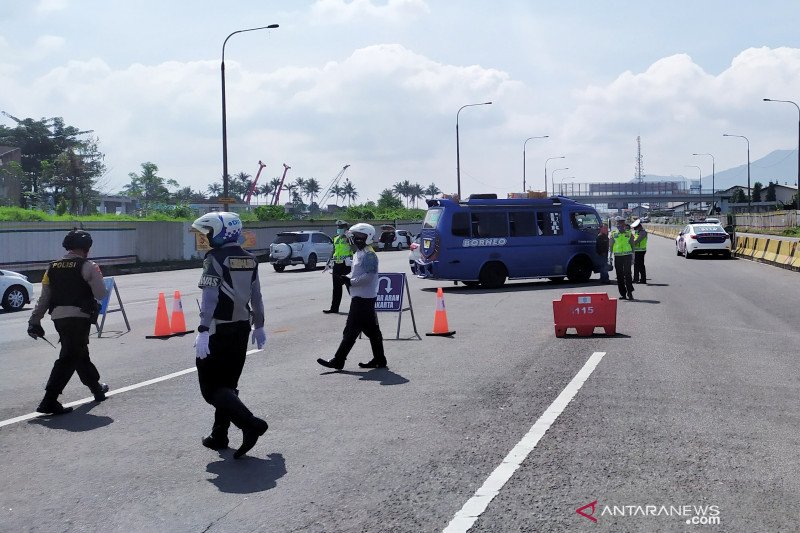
(90, 272)
(231, 288)
(364, 279)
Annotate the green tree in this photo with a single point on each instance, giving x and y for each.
(432, 190)
(276, 184)
(148, 187)
(349, 191)
(738, 197)
(416, 192)
(388, 200)
(215, 189)
(402, 188)
(771, 197)
(336, 191)
(271, 212)
(757, 188)
(311, 189)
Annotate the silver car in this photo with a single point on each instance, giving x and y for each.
(16, 290)
(305, 248)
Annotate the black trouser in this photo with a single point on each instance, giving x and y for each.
(639, 272)
(219, 374)
(622, 264)
(362, 318)
(339, 269)
(74, 356)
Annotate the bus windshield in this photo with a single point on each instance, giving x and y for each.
(431, 218)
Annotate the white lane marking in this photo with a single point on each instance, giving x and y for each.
(475, 506)
(153, 381)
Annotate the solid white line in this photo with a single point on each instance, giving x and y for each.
(29, 416)
(475, 506)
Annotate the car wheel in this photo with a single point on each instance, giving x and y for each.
(279, 268)
(14, 298)
(579, 270)
(727, 254)
(686, 253)
(312, 262)
(413, 266)
(677, 250)
(493, 275)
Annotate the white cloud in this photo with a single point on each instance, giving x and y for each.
(45, 45)
(341, 11)
(45, 7)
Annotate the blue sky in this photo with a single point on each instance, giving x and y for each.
(377, 84)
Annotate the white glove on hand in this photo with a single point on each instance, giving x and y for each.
(259, 337)
(201, 349)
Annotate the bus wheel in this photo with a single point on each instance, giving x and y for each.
(557, 279)
(579, 270)
(493, 275)
(471, 284)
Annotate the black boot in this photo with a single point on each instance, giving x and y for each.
(100, 391)
(218, 439)
(374, 363)
(51, 406)
(336, 364)
(250, 435)
(215, 442)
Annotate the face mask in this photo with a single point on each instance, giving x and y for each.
(359, 242)
(340, 231)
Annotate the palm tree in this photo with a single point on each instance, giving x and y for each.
(336, 190)
(215, 189)
(290, 187)
(266, 189)
(349, 191)
(299, 185)
(275, 183)
(415, 192)
(403, 188)
(432, 190)
(311, 189)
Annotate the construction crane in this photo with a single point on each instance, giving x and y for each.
(277, 196)
(252, 187)
(328, 192)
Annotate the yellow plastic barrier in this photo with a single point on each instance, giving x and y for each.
(771, 251)
(785, 254)
(795, 259)
(760, 248)
(749, 247)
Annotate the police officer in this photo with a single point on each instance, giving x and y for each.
(362, 318)
(639, 249)
(342, 258)
(230, 287)
(71, 287)
(622, 248)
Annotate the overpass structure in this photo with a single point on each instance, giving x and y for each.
(622, 195)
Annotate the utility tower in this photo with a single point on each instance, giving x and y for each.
(639, 169)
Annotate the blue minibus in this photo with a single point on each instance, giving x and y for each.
(486, 240)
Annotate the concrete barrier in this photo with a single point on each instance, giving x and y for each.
(771, 252)
(784, 257)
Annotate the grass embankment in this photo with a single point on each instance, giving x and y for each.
(788, 232)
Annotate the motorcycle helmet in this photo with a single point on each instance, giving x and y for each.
(362, 229)
(220, 227)
(77, 239)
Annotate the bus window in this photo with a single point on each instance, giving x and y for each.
(460, 226)
(522, 223)
(549, 222)
(489, 224)
(431, 218)
(584, 220)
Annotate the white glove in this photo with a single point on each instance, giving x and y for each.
(201, 349)
(259, 337)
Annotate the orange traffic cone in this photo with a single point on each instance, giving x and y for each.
(178, 321)
(440, 328)
(162, 330)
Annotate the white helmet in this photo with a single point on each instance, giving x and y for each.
(220, 227)
(363, 228)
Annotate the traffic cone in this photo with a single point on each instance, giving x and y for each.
(162, 329)
(178, 321)
(440, 328)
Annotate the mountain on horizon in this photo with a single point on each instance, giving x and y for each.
(778, 165)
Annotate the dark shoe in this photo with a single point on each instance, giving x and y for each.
(215, 443)
(333, 363)
(100, 392)
(630, 296)
(53, 407)
(623, 297)
(373, 364)
(250, 436)
(329, 311)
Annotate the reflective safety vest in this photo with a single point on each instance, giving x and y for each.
(641, 246)
(622, 243)
(341, 249)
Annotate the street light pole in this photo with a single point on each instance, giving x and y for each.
(749, 192)
(700, 192)
(713, 187)
(523, 158)
(561, 184)
(225, 119)
(553, 178)
(798, 145)
(458, 152)
(545, 169)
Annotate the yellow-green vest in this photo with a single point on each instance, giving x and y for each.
(641, 246)
(622, 243)
(341, 248)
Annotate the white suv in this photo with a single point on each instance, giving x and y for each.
(305, 248)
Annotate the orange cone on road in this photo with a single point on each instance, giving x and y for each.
(440, 328)
(178, 321)
(162, 329)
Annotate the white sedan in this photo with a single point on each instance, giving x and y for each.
(16, 290)
(703, 238)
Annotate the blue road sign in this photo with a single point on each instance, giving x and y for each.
(390, 292)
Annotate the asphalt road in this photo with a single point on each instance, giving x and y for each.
(693, 403)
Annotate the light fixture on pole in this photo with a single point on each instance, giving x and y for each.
(458, 153)
(798, 145)
(553, 178)
(524, 189)
(561, 184)
(225, 202)
(749, 192)
(713, 185)
(700, 191)
(545, 169)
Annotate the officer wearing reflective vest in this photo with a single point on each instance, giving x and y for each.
(71, 287)
(622, 248)
(639, 249)
(339, 265)
(231, 302)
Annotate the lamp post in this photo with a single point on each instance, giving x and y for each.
(545, 169)
(523, 158)
(553, 178)
(561, 184)
(798, 145)
(458, 153)
(713, 187)
(700, 171)
(224, 117)
(749, 192)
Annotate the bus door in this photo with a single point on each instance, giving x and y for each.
(550, 249)
(585, 225)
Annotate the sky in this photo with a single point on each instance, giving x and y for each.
(378, 84)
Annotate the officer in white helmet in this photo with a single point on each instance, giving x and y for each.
(231, 302)
(362, 318)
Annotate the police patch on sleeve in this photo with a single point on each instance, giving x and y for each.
(208, 281)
